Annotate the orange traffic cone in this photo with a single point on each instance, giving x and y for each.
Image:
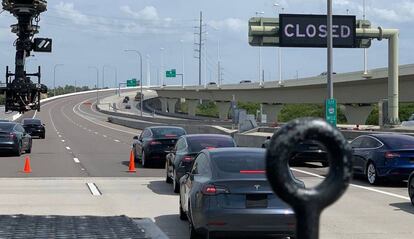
(132, 163)
(27, 168)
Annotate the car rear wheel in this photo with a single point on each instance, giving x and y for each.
(371, 174)
(183, 215)
(144, 164)
(29, 149)
(167, 176)
(18, 151)
(325, 164)
(193, 233)
(411, 190)
(176, 185)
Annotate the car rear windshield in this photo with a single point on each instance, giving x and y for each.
(240, 162)
(399, 142)
(31, 122)
(167, 132)
(4, 127)
(197, 144)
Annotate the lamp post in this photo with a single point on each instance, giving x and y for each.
(260, 56)
(162, 67)
(183, 63)
(140, 59)
(54, 78)
(97, 82)
(280, 50)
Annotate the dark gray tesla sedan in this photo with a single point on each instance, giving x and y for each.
(227, 194)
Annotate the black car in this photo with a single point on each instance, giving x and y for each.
(180, 159)
(411, 187)
(308, 151)
(34, 127)
(154, 143)
(14, 138)
(227, 194)
(126, 99)
(383, 156)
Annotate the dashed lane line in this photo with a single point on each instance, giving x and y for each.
(357, 186)
(94, 189)
(76, 160)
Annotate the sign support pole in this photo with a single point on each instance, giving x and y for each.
(330, 51)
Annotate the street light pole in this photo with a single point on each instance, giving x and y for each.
(280, 51)
(54, 78)
(183, 66)
(97, 82)
(260, 56)
(140, 59)
(162, 67)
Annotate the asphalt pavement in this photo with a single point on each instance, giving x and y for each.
(81, 169)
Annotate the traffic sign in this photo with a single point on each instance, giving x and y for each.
(132, 83)
(171, 74)
(331, 111)
(300, 30)
(42, 45)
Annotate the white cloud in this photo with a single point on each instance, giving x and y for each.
(232, 24)
(67, 10)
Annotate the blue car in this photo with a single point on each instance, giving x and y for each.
(383, 156)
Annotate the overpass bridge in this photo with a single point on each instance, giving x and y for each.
(356, 92)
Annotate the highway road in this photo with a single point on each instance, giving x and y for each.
(81, 169)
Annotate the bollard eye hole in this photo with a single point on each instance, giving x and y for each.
(321, 191)
(309, 163)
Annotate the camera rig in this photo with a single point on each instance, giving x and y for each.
(21, 93)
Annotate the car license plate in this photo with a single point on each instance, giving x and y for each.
(256, 201)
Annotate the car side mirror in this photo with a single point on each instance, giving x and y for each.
(136, 138)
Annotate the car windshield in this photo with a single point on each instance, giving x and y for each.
(5, 127)
(31, 122)
(399, 142)
(240, 162)
(196, 144)
(167, 132)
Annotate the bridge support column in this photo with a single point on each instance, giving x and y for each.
(272, 111)
(171, 105)
(164, 104)
(224, 108)
(357, 114)
(192, 106)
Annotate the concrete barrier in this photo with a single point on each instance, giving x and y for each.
(191, 129)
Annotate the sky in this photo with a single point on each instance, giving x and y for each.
(96, 33)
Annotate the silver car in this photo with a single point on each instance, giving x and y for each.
(227, 193)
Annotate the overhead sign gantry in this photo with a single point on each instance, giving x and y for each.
(299, 30)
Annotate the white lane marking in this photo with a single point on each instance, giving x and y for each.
(76, 160)
(63, 140)
(51, 120)
(34, 115)
(117, 141)
(68, 148)
(94, 189)
(60, 136)
(357, 186)
(86, 118)
(96, 133)
(105, 136)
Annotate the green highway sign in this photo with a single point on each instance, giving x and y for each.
(132, 83)
(171, 74)
(331, 111)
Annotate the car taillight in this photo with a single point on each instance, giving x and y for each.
(12, 136)
(155, 143)
(187, 159)
(212, 190)
(391, 155)
(252, 171)
(210, 147)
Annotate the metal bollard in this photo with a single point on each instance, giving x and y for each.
(308, 204)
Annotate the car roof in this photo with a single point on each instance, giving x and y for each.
(388, 136)
(166, 126)
(190, 136)
(8, 123)
(233, 150)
